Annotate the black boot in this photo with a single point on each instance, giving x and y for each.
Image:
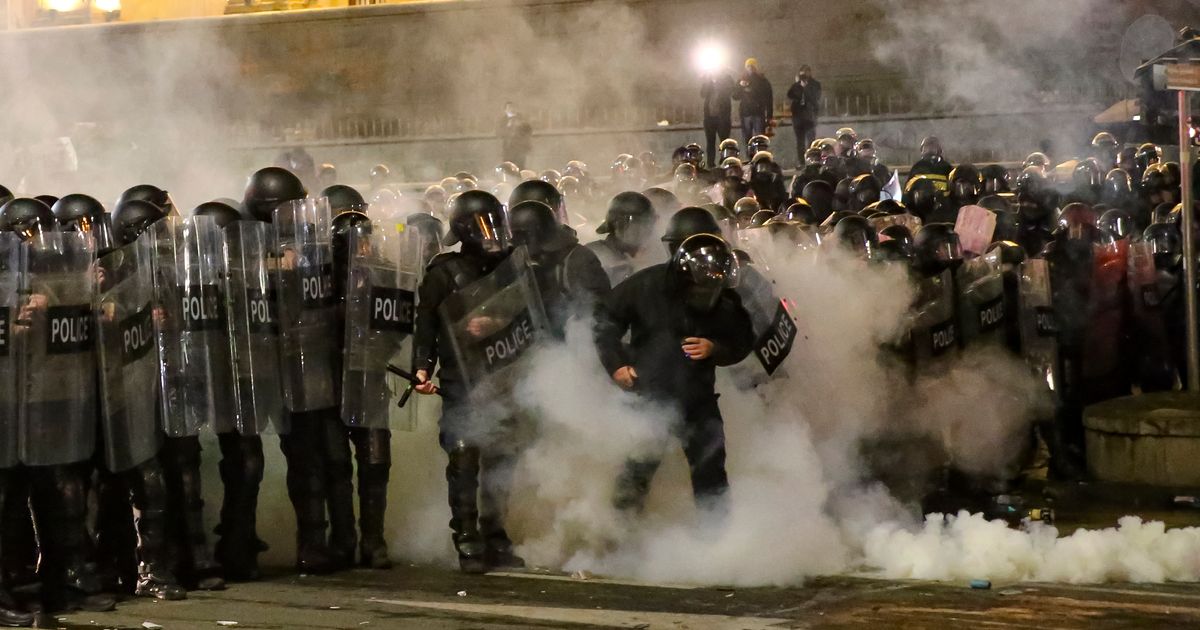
(372, 451)
(241, 472)
(339, 488)
(116, 538)
(10, 615)
(20, 560)
(69, 583)
(197, 569)
(148, 493)
(462, 477)
(306, 489)
(493, 502)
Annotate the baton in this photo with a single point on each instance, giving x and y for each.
(412, 381)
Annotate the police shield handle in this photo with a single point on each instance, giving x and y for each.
(424, 385)
(697, 348)
(626, 377)
(37, 302)
(975, 227)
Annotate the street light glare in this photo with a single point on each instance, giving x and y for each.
(710, 57)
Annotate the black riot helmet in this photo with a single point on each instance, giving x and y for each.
(685, 173)
(702, 267)
(268, 188)
(897, 232)
(1087, 179)
(1116, 222)
(222, 213)
(380, 174)
(80, 212)
(575, 169)
(507, 172)
(728, 148)
(858, 236)
(995, 179)
(887, 206)
(921, 197)
(841, 194)
(1166, 244)
(1037, 159)
(131, 218)
(1118, 188)
(630, 220)
(864, 191)
(534, 225)
(539, 190)
(758, 143)
(936, 248)
(479, 221)
(692, 154)
(5, 195)
(931, 146)
(430, 231)
(343, 228)
(1009, 252)
(1077, 224)
(550, 176)
(800, 212)
(1146, 155)
(760, 218)
(689, 222)
(1032, 190)
(1105, 148)
(664, 201)
(343, 198)
(1167, 212)
(49, 200)
(966, 183)
(151, 193)
(27, 217)
(819, 195)
(745, 209)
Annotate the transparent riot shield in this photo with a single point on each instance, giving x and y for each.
(195, 367)
(253, 327)
(58, 361)
(381, 288)
(981, 300)
(307, 305)
(492, 323)
(1039, 329)
(935, 331)
(128, 356)
(11, 255)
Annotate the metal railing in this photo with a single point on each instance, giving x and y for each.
(856, 103)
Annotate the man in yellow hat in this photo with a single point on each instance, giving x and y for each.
(757, 100)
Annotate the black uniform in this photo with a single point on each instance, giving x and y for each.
(647, 306)
(571, 280)
(717, 93)
(479, 471)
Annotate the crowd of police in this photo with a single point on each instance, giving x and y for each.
(126, 334)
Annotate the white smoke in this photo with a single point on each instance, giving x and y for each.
(965, 546)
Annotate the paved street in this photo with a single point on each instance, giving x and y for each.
(428, 597)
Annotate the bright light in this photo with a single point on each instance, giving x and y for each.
(62, 6)
(710, 57)
(107, 6)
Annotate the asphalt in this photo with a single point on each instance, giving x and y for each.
(435, 597)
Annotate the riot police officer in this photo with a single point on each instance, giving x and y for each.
(627, 226)
(685, 320)
(569, 275)
(58, 426)
(305, 444)
(479, 471)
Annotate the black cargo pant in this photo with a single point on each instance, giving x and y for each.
(702, 432)
(716, 129)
